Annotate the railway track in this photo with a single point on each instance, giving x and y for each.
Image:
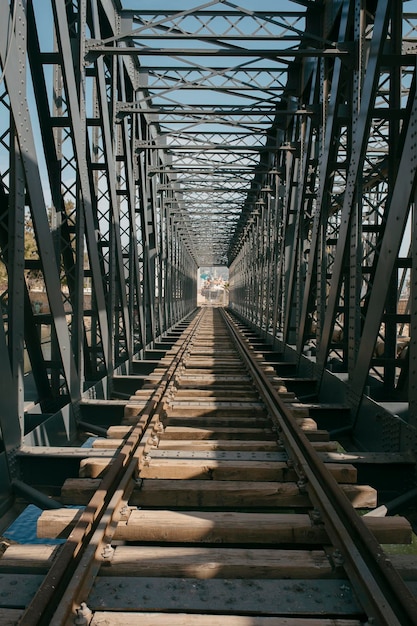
(216, 502)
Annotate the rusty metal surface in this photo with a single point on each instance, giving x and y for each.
(17, 590)
(47, 597)
(231, 596)
(218, 455)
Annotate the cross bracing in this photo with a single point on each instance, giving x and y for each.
(140, 141)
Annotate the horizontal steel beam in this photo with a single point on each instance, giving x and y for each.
(219, 167)
(94, 49)
(257, 109)
(207, 37)
(208, 135)
(208, 13)
(210, 190)
(207, 109)
(181, 69)
(219, 89)
(207, 149)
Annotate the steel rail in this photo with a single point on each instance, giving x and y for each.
(94, 554)
(66, 567)
(379, 588)
(380, 591)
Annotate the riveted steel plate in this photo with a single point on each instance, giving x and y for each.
(263, 597)
(17, 590)
(215, 455)
(210, 404)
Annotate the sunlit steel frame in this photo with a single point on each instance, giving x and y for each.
(317, 214)
(342, 192)
(115, 266)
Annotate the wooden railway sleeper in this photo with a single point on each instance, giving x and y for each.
(314, 523)
(79, 548)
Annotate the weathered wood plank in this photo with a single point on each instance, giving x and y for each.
(306, 423)
(394, 530)
(211, 417)
(298, 410)
(107, 443)
(196, 361)
(317, 435)
(221, 527)
(319, 406)
(406, 564)
(298, 379)
(190, 493)
(28, 558)
(193, 384)
(94, 467)
(57, 525)
(325, 446)
(216, 470)
(219, 394)
(195, 562)
(132, 411)
(194, 493)
(213, 371)
(191, 379)
(119, 432)
(228, 365)
(283, 393)
(162, 619)
(79, 491)
(217, 444)
(361, 496)
(193, 433)
(11, 617)
(228, 470)
(209, 429)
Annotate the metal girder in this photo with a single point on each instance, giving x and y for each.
(360, 134)
(95, 49)
(342, 188)
(26, 142)
(168, 81)
(397, 210)
(203, 110)
(85, 194)
(81, 272)
(325, 173)
(136, 146)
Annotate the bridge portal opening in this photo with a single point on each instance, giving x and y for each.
(213, 286)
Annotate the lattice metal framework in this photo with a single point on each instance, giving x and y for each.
(212, 76)
(341, 191)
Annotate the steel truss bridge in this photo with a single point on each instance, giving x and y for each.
(141, 141)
